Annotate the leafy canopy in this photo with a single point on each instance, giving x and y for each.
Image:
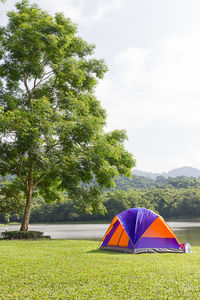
(51, 124)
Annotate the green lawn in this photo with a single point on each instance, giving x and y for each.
(64, 269)
(10, 223)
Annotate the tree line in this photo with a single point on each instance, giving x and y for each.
(172, 197)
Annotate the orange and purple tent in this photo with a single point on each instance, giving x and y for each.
(139, 230)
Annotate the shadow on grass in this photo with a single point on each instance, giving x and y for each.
(97, 251)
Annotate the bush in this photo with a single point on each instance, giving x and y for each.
(23, 235)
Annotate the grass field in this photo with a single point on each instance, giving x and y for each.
(63, 269)
(11, 223)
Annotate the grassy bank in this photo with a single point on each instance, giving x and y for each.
(76, 270)
(11, 223)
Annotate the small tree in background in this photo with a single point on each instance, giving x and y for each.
(51, 124)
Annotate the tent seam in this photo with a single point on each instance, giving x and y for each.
(126, 232)
(120, 236)
(144, 232)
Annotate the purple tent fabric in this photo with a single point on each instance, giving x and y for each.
(157, 243)
(136, 221)
(106, 240)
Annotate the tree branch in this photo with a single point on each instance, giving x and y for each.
(35, 84)
(35, 53)
(26, 86)
(20, 165)
(20, 170)
(39, 179)
(22, 179)
(43, 63)
(9, 170)
(43, 79)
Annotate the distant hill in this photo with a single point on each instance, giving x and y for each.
(146, 174)
(184, 171)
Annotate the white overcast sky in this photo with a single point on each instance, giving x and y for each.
(152, 89)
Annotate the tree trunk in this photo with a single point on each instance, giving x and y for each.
(27, 210)
(29, 192)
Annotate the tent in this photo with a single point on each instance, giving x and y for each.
(139, 230)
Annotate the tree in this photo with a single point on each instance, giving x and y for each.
(51, 124)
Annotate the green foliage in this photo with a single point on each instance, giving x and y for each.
(12, 196)
(135, 182)
(52, 271)
(168, 202)
(140, 182)
(5, 218)
(51, 124)
(163, 198)
(22, 235)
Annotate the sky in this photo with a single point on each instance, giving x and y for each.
(152, 88)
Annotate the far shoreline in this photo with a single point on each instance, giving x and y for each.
(105, 221)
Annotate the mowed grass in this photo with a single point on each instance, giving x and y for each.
(64, 269)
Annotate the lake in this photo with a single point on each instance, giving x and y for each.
(186, 231)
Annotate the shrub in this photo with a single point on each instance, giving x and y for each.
(23, 235)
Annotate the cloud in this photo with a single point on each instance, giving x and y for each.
(72, 9)
(157, 90)
(83, 12)
(104, 8)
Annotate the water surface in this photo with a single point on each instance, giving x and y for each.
(186, 231)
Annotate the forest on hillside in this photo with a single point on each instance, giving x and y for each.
(170, 197)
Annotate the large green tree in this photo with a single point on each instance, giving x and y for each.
(51, 124)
